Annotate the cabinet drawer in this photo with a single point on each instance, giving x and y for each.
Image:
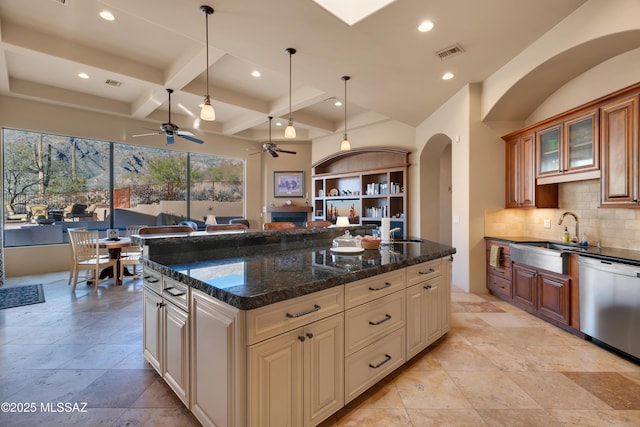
(152, 280)
(268, 321)
(505, 267)
(368, 322)
(367, 366)
(366, 290)
(499, 285)
(176, 292)
(421, 272)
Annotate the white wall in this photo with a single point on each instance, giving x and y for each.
(452, 120)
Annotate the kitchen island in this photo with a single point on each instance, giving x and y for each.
(273, 328)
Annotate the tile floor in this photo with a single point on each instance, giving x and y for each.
(498, 366)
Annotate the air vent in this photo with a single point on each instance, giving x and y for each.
(113, 83)
(450, 51)
(61, 1)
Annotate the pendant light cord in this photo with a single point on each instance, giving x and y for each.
(207, 40)
(290, 73)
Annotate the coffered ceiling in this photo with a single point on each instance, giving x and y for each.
(157, 44)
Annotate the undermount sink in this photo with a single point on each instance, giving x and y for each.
(544, 255)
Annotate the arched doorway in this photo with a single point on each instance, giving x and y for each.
(436, 190)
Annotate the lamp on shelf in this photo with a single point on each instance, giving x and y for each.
(346, 145)
(207, 112)
(290, 131)
(342, 221)
(210, 220)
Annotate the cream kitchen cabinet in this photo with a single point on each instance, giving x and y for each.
(428, 304)
(217, 362)
(291, 363)
(166, 333)
(297, 378)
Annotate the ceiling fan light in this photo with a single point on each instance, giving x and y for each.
(290, 131)
(345, 145)
(207, 112)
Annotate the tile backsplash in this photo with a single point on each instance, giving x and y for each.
(612, 227)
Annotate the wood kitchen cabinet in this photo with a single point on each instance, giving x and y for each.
(499, 277)
(568, 150)
(521, 189)
(620, 180)
(543, 293)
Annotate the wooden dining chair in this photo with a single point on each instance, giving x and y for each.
(318, 224)
(222, 227)
(130, 255)
(278, 225)
(72, 269)
(86, 253)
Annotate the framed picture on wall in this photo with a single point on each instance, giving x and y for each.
(288, 184)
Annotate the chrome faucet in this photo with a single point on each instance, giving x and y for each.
(577, 235)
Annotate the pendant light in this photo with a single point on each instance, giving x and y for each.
(346, 145)
(207, 112)
(290, 131)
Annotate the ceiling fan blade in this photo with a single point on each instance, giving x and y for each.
(185, 132)
(146, 134)
(170, 139)
(284, 151)
(181, 134)
(273, 153)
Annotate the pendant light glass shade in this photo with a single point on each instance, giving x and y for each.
(290, 131)
(207, 113)
(345, 145)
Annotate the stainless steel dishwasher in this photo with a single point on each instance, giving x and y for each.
(610, 303)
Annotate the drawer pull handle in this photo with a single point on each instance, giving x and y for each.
(427, 287)
(160, 304)
(173, 294)
(431, 270)
(379, 322)
(315, 308)
(386, 359)
(154, 280)
(385, 286)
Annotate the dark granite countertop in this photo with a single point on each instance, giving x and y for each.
(625, 256)
(253, 269)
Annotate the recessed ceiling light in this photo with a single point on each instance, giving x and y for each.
(255, 73)
(83, 75)
(425, 26)
(278, 124)
(338, 103)
(107, 16)
(447, 76)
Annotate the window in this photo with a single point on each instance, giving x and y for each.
(53, 182)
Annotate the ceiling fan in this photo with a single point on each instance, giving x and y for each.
(270, 147)
(169, 129)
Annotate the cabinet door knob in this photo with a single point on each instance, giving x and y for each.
(301, 338)
(309, 335)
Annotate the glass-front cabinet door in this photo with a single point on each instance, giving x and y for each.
(568, 150)
(581, 150)
(549, 150)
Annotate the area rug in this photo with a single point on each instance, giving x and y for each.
(17, 296)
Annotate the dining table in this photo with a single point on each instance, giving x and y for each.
(114, 247)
